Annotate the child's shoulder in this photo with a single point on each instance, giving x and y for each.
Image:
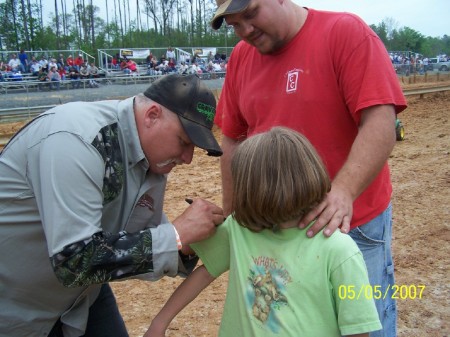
(339, 247)
(338, 240)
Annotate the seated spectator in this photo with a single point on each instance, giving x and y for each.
(52, 63)
(54, 77)
(148, 59)
(44, 63)
(14, 64)
(132, 66)
(78, 62)
(33, 58)
(171, 66)
(2, 72)
(195, 69)
(183, 69)
(61, 62)
(93, 71)
(216, 67)
(69, 62)
(123, 64)
(3, 66)
(162, 60)
(74, 76)
(42, 78)
(115, 63)
(34, 67)
(152, 68)
(84, 71)
(210, 67)
(62, 72)
(129, 67)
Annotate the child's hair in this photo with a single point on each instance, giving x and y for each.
(277, 176)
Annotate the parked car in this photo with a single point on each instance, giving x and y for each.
(443, 65)
(431, 63)
(435, 64)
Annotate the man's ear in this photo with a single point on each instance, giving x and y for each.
(152, 114)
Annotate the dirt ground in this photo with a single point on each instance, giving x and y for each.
(421, 179)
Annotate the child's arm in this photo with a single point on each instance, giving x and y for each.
(182, 296)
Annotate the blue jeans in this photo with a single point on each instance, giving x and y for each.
(374, 240)
(104, 318)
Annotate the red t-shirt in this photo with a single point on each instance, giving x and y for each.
(317, 84)
(79, 61)
(131, 65)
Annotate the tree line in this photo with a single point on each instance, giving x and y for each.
(153, 23)
(408, 39)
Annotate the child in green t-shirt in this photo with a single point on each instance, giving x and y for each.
(281, 283)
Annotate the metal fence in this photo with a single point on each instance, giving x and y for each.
(26, 98)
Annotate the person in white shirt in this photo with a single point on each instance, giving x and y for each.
(14, 63)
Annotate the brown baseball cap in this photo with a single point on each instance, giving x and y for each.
(226, 7)
(193, 102)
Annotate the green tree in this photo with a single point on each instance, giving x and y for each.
(381, 31)
(156, 23)
(407, 39)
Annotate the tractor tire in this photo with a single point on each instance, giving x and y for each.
(399, 131)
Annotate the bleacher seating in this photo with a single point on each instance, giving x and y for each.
(26, 82)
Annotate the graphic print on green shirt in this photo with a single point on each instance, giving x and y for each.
(266, 293)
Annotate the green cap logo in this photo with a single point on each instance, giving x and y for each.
(207, 110)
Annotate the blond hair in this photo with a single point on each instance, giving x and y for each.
(277, 177)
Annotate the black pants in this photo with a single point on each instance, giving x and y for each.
(104, 318)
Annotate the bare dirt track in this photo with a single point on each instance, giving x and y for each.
(421, 179)
(421, 199)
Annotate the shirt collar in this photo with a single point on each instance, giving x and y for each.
(130, 134)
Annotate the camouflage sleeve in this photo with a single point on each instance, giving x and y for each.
(103, 258)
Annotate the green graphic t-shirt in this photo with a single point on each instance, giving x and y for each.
(285, 284)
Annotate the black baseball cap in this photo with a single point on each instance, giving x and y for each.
(193, 102)
(225, 7)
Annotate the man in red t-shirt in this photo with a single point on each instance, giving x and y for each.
(328, 76)
(79, 61)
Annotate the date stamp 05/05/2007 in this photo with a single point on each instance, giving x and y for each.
(394, 291)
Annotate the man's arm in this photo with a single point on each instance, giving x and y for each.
(369, 153)
(106, 257)
(103, 258)
(183, 295)
(228, 147)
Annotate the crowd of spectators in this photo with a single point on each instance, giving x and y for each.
(407, 63)
(49, 70)
(168, 63)
(52, 70)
